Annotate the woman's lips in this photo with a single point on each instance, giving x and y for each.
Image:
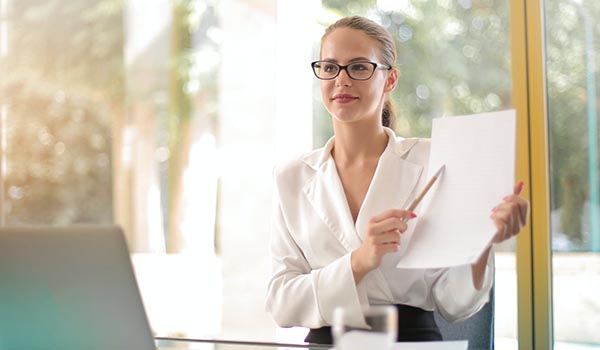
(344, 98)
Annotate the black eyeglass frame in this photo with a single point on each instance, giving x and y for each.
(340, 68)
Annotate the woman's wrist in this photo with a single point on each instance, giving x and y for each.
(358, 269)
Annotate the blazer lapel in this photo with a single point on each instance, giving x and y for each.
(325, 193)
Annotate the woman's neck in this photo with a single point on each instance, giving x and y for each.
(357, 142)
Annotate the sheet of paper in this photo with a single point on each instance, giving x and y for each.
(433, 345)
(454, 224)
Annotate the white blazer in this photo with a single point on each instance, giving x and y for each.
(313, 235)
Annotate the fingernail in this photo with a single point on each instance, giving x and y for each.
(413, 215)
(494, 209)
(505, 198)
(521, 184)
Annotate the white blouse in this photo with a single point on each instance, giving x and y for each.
(313, 235)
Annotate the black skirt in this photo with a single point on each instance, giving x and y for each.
(414, 324)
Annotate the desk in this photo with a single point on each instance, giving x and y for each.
(206, 344)
(212, 344)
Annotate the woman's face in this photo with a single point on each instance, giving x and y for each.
(349, 100)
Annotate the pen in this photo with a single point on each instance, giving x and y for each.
(430, 183)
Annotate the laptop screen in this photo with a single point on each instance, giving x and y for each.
(69, 288)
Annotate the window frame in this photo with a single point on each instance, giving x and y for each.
(534, 282)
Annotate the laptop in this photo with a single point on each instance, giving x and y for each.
(69, 288)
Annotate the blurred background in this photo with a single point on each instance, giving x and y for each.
(167, 117)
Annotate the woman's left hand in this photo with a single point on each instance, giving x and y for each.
(510, 216)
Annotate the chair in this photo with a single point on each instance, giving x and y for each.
(478, 329)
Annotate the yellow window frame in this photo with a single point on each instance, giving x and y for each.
(534, 289)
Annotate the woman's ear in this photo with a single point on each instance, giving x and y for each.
(392, 80)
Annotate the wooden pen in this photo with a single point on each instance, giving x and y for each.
(413, 205)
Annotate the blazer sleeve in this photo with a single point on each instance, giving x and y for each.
(297, 294)
(455, 297)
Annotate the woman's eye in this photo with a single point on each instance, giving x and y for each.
(359, 67)
(329, 68)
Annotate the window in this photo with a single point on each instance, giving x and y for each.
(573, 154)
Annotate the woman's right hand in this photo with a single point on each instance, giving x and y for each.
(382, 237)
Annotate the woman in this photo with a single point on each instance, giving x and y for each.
(337, 227)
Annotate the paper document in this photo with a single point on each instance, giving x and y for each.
(454, 225)
(433, 345)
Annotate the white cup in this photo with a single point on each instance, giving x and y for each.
(381, 334)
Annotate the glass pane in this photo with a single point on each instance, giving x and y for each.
(573, 151)
(61, 83)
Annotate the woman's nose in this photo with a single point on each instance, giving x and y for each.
(343, 79)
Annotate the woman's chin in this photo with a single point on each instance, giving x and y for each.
(345, 116)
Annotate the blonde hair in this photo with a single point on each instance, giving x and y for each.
(387, 48)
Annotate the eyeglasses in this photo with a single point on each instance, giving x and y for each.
(326, 70)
